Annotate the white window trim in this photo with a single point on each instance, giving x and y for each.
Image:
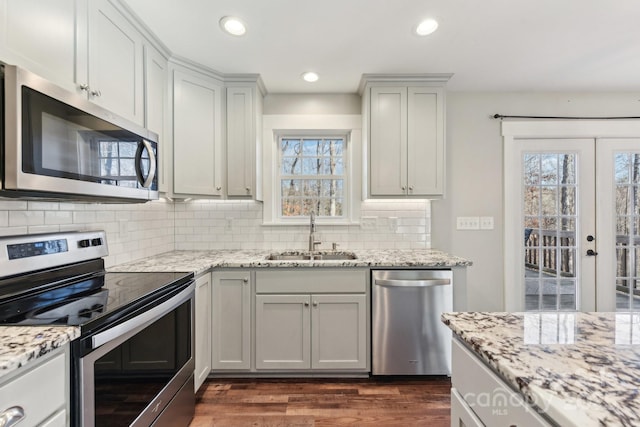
(290, 124)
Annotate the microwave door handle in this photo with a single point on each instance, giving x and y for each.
(146, 183)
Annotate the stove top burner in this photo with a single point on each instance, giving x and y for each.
(86, 301)
(72, 311)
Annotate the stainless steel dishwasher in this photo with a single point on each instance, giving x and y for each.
(408, 337)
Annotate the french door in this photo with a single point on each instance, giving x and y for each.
(572, 224)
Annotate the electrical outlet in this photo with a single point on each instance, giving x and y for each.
(228, 224)
(468, 223)
(393, 223)
(486, 223)
(368, 223)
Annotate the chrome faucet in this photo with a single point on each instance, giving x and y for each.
(312, 233)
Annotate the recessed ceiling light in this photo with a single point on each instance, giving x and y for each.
(426, 27)
(310, 77)
(233, 26)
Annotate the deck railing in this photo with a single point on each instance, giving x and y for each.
(541, 251)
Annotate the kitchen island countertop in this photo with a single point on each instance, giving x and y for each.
(20, 345)
(580, 369)
(201, 261)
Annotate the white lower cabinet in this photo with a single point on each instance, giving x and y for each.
(231, 322)
(202, 330)
(40, 392)
(480, 398)
(311, 331)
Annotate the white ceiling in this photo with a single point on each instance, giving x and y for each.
(503, 45)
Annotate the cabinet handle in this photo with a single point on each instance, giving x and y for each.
(84, 87)
(96, 93)
(11, 416)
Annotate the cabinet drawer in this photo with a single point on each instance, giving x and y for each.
(487, 395)
(40, 392)
(461, 413)
(333, 281)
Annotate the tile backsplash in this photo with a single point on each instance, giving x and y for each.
(136, 231)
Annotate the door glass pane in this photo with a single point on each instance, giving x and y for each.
(627, 192)
(549, 183)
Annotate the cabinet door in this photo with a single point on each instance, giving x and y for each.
(115, 62)
(197, 136)
(155, 105)
(46, 37)
(202, 330)
(425, 141)
(388, 141)
(231, 328)
(338, 332)
(241, 141)
(282, 332)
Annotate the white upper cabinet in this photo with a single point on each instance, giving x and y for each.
(156, 107)
(87, 47)
(197, 133)
(406, 144)
(44, 37)
(115, 67)
(243, 110)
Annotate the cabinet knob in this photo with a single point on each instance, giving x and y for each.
(306, 304)
(96, 93)
(411, 188)
(245, 280)
(403, 188)
(218, 188)
(84, 87)
(315, 303)
(248, 189)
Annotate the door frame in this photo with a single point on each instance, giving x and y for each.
(543, 129)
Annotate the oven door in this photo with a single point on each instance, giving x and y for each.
(59, 143)
(140, 372)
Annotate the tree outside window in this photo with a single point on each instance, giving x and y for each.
(312, 176)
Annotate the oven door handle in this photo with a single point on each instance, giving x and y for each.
(143, 319)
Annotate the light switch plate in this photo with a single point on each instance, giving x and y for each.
(468, 223)
(486, 223)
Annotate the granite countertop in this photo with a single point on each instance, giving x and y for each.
(580, 369)
(20, 345)
(201, 261)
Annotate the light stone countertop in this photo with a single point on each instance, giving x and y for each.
(201, 261)
(20, 345)
(580, 369)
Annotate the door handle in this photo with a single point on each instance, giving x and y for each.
(146, 183)
(591, 252)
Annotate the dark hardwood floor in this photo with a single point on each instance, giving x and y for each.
(324, 402)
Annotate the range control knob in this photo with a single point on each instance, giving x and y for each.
(84, 243)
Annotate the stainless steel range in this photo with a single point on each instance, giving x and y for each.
(133, 363)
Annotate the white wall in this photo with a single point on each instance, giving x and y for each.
(474, 174)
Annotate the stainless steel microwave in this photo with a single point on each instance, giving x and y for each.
(56, 144)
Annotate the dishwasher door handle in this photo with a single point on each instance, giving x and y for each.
(412, 283)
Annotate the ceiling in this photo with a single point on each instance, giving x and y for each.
(489, 45)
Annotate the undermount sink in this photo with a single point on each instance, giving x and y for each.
(307, 256)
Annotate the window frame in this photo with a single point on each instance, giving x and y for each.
(278, 175)
(276, 124)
